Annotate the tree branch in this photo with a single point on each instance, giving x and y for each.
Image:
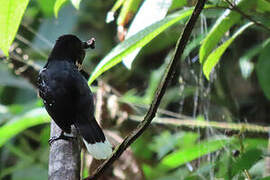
(25, 68)
(190, 122)
(180, 46)
(64, 160)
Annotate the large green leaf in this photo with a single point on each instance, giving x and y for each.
(185, 155)
(222, 25)
(263, 6)
(46, 7)
(159, 9)
(138, 40)
(263, 69)
(246, 161)
(214, 57)
(11, 12)
(17, 125)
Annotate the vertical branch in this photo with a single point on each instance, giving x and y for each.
(64, 160)
(180, 46)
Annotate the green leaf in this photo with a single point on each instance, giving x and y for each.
(192, 45)
(246, 161)
(128, 9)
(58, 4)
(266, 178)
(11, 12)
(164, 143)
(140, 39)
(245, 62)
(159, 9)
(176, 4)
(185, 155)
(188, 140)
(117, 5)
(46, 7)
(263, 6)
(140, 146)
(110, 14)
(222, 25)
(263, 69)
(76, 3)
(214, 57)
(17, 125)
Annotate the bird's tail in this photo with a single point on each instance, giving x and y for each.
(93, 137)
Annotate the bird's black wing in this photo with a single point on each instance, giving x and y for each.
(85, 120)
(96, 143)
(55, 88)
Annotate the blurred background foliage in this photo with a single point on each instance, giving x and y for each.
(213, 121)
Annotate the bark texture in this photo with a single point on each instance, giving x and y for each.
(64, 160)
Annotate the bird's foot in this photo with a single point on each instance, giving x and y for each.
(61, 136)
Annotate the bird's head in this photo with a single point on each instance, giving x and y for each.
(71, 48)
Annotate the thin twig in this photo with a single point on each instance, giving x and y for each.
(233, 7)
(180, 46)
(25, 68)
(192, 123)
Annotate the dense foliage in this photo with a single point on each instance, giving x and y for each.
(213, 120)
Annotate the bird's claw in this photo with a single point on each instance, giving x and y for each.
(62, 136)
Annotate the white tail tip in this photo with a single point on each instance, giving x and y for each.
(99, 150)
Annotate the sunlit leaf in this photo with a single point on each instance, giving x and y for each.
(110, 14)
(11, 13)
(222, 25)
(76, 3)
(57, 6)
(140, 39)
(17, 125)
(127, 11)
(159, 9)
(176, 4)
(117, 5)
(185, 155)
(214, 57)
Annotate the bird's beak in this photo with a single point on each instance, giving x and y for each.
(89, 44)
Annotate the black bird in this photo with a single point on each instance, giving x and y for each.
(67, 96)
